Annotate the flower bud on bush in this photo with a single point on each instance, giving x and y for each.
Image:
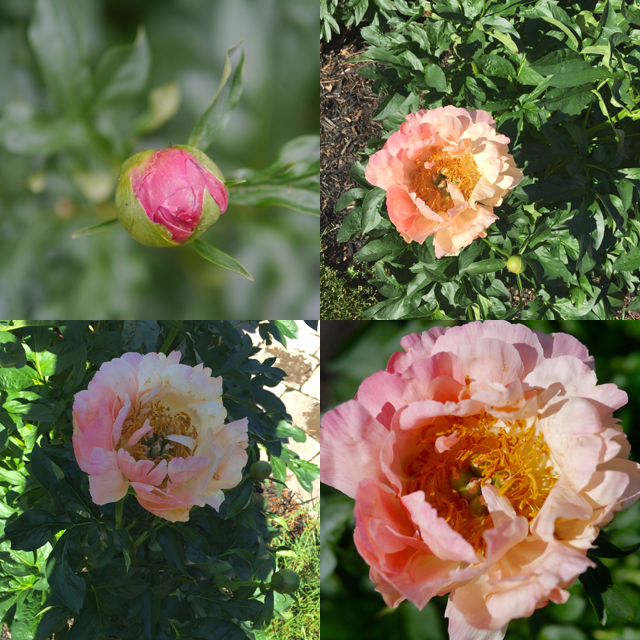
(169, 197)
(260, 470)
(516, 264)
(285, 581)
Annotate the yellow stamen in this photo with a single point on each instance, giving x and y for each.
(430, 183)
(163, 424)
(514, 457)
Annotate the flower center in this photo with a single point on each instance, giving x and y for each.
(514, 458)
(156, 444)
(430, 184)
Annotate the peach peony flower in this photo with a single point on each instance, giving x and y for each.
(483, 462)
(443, 172)
(158, 426)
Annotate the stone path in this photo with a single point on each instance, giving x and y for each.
(300, 392)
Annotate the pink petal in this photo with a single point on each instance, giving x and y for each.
(183, 469)
(460, 629)
(443, 541)
(142, 471)
(106, 482)
(351, 440)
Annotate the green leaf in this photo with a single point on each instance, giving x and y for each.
(371, 206)
(123, 71)
(55, 39)
(351, 196)
(287, 430)
(18, 379)
(241, 497)
(287, 327)
(219, 258)
(390, 245)
(351, 225)
(136, 333)
(606, 549)
(265, 195)
(32, 529)
(25, 621)
(627, 261)
(572, 101)
(493, 65)
(306, 472)
(434, 77)
(11, 351)
(484, 266)
(215, 118)
(211, 629)
(94, 228)
(64, 582)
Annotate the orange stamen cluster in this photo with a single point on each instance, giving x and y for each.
(154, 445)
(430, 183)
(514, 458)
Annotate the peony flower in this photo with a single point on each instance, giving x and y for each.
(155, 425)
(483, 462)
(443, 172)
(168, 197)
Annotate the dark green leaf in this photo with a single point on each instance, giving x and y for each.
(215, 118)
(64, 582)
(434, 77)
(493, 65)
(219, 258)
(606, 549)
(371, 207)
(25, 621)
(390, 245)
(136, 333)
(349, 197)
(32, 529)
(241, 497)
(485, 266)
(351, 225)
(211, 629)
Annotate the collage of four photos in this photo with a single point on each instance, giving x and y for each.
(435, 436)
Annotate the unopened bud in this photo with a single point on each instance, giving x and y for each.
(169, 197)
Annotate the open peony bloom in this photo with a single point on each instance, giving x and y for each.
(169, 197)
(158, 426)
(443, 172)
(483, 462)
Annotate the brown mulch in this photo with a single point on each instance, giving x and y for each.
(346, 108)
(286, 506)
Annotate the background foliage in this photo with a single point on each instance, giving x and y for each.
(61, 555)
(349, 605)
(561, 81)
(86, 83)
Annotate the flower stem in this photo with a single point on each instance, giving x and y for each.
(170, 338)
(493, 246)
(119, 506)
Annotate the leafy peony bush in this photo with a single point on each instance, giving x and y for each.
(483, 462)
(158, 426)
(443, 172)
(125, 500)
(558, 78)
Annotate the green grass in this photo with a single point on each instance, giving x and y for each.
(344, 296)
(302, 620)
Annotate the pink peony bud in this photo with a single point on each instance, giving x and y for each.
(169, 197)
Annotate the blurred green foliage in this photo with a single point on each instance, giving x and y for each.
(349, 605)
(48, 189)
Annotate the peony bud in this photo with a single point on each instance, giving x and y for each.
(516, 264)
(169, 197)
(285, 581)
(260, 470)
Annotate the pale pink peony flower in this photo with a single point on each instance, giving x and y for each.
(158, 426)
(443, 172)
(483, 463)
